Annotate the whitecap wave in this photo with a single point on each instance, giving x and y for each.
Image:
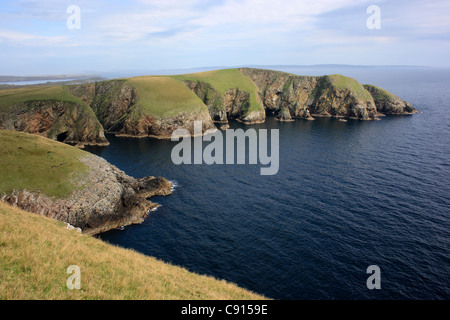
(174, 185)
(154, 208)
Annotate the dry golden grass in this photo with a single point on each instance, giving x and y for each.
(35, 252)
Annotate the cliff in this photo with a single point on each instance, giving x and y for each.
(388, 103)
(67, 184)
(290, 96)
(229, 95)
(144, 106)
(155, 106)
(51, 112)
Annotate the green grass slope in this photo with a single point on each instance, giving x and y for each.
(36, 252)
(20, 95)
(343, 82)
(38, 164)
(164, 96)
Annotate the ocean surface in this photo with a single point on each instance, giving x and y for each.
(347, 196)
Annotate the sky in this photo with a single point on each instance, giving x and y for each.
(43, 36)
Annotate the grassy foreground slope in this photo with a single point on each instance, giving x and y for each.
(36, 252)
(38, 164)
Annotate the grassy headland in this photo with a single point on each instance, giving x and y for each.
(38, 164)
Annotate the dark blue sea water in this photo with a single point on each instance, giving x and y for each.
(347, 195)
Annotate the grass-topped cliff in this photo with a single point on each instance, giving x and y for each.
(36, 164)
(19, 95)
(50, 111)
(155, 106)
(36, 252)
(227, 85)
(59, 181)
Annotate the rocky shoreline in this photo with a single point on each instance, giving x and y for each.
(113, 106)
(108, 198)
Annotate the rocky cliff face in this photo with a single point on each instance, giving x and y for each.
(234, 104)
(211, 98)
(109, 199)
(388, 103)
(65, 121)
(283, 94)
(289, 96)
(116, 105)
(341, 97)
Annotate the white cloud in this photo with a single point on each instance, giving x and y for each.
(27, 38)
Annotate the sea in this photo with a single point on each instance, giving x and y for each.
(347, 196)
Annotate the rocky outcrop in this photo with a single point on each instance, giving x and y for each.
(388, 103)
(65, 121)
(341, 97)
(117, 107)
(237, 105)
(234, 104)
(162, 128)
(283, 95)
(211, 98)
(289, 96)
(108, 198)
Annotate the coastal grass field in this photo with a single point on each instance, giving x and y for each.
(226, 79)
(38, 164)
(36, 252)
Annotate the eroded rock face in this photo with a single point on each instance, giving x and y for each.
(234, 104)
(85, 92)
(67, 122)
(283, 94)
(329, 100)
(109, 199)
(114, 104)
(388, 103)
(211, 98)
(289, 96)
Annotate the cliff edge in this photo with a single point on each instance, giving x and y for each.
(70, 185)
(155, 106)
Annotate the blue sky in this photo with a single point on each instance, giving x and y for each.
(163, 34)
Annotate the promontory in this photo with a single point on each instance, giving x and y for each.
(155, 106)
